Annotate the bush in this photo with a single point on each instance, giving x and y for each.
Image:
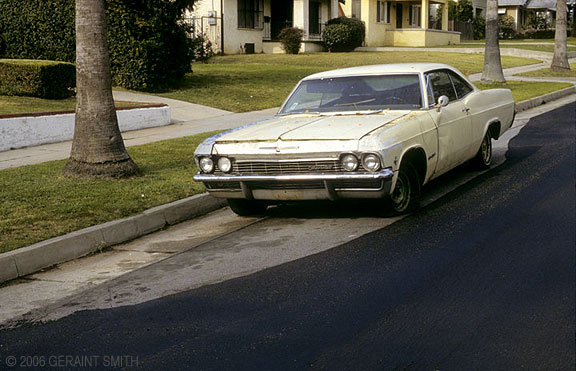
(343, 34)
(464, 11)
(149, 48)
(506, 26)
(291, 38)
(201, 49)
(479, 24)
(37, 78)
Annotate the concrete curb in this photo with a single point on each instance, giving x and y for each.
(537, 101)
(28, 260)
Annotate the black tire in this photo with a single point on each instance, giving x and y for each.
(405, 197)
(483, 158)
(247, 207)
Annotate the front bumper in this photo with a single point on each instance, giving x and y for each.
(299, 186)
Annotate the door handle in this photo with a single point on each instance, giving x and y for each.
(465, 109)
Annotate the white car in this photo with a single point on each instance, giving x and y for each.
(370, 132)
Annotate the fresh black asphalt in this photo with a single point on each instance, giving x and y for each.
(482, 279)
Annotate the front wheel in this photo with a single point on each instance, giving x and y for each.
(247, 207)
(405, 197)
(483, 158)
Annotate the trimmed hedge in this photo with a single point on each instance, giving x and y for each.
(343, 34)
(37, 78)
(149, 46)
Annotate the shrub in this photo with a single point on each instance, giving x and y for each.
(201, 48)
(37, 78)
(343, 34)
(479, 24)
(506, 26)
(149, 48)
(291, 38)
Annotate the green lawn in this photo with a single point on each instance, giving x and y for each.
(243, 83)
(522, 90)
(37, 202)
(19, 105)
(545, 72)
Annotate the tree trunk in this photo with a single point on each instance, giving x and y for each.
(492, 71)
(560, 59)
(97, 149)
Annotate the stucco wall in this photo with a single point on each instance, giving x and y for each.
(28, 131)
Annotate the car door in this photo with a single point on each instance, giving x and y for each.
(452, 120)
(465, 93)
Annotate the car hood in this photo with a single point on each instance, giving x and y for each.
(298, 128)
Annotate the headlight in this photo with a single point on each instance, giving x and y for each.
(349, 163)
(206, 164)
(371, 162)
(224, 164)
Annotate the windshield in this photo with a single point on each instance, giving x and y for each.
(356, 93)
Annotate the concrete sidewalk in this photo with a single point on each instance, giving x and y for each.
(180, 111)
(220, 120)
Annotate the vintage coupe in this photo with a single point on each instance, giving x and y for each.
(370, 132)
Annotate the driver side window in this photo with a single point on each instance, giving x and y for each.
(441, 84)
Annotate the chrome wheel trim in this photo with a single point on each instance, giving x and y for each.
(401, 194)
(486, 149)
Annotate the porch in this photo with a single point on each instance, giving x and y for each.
(403, 22)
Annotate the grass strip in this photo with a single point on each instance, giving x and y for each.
(37, 202)
(23, 105)
(545, 72)
(523, 90)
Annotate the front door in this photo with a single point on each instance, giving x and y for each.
(454, 123)
(281, 16)
(398, 15)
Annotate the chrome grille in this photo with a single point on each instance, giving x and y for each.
(286, 167)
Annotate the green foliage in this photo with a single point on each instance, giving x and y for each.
(452, 10)
(37, 29)
(201, 48)
(343, 34)
(479, 28)
(148, 44)
(291, 38)
(506, 26)
(37, 78)
(149, 49)
(538, 21)
(537, 34)
(464, 11)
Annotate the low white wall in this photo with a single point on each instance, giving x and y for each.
(17, 132)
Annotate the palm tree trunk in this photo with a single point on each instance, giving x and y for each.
(492, 71)
(560, 59)
(97, 149)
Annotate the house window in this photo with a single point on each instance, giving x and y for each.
(383, 12)
(314, 18)
(356, 9)
(250, 13)
(415, 15)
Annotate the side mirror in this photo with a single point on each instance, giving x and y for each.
(442, 102)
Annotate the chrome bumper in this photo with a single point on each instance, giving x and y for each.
(254, 186)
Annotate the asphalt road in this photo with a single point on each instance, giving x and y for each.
(483, 278)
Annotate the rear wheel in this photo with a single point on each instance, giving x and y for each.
(247, 207)
(405, 197)
(483, 158)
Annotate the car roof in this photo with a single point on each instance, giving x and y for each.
(378, 69)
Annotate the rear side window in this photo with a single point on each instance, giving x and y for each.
(441, 85)
(461, 86)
